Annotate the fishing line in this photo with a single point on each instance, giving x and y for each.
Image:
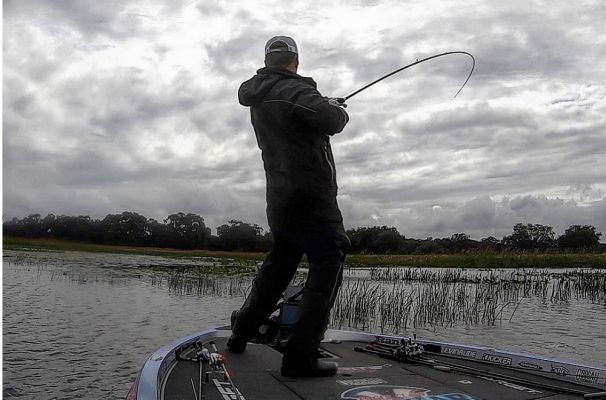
(342, 100)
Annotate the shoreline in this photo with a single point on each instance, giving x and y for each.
(467, 260)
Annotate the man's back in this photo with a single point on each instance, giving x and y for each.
(293, 124)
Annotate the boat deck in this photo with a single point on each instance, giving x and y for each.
(361, 376)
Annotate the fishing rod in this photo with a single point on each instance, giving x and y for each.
(404, 353)
(342, 100)
(219, 361)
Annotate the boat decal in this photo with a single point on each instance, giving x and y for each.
(390, 392)
(364, 369)
(559, 370)
(459, 352)
(226, 390)
(529, 365)
(587, 376)
(363, 381)
(388, 340)
(510, 385)
(496, 359)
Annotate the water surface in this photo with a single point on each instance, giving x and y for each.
(80, 325)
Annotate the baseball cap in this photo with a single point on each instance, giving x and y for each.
(281, 44)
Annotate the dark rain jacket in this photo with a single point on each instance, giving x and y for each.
(293, 123)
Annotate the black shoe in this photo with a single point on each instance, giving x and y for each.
(236, 344)
(310, 367)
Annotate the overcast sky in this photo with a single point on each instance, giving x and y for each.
(117, 105)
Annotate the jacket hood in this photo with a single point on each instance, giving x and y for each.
(253, 91)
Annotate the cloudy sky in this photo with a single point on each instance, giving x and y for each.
(117, 105)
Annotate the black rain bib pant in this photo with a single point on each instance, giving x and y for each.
(325, 247)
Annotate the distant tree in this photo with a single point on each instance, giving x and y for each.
(188, 231)
(375, 240)
(238, 235)
(81, 228)
(490, 243)
(530, 236)
(459, 237)
(578, 237)
(128, 228)
(12, 228)
(461, 242)
(30, 226)
(430, 246)
(457, 243)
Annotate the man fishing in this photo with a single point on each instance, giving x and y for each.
(293, 123)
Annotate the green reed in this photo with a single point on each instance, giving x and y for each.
(395, 299)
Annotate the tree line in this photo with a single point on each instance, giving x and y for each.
(188, 231)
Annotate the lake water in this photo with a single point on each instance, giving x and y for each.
(80, 325)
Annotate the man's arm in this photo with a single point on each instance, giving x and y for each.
(319, 113)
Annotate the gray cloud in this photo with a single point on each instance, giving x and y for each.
(90, 128)
(112, 18)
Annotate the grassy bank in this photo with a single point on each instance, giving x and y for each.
(18, 243)
(484, 260)
(470, 260)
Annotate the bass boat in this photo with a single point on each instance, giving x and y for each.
(371, 367)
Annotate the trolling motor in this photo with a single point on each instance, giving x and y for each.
(278, 327)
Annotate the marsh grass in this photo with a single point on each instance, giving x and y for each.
(394, 300)
(387, 299)
(206, 282)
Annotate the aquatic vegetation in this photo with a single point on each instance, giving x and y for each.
(385, 299)
(205, 281)
(392, 300)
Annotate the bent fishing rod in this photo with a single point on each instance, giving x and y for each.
(344, 99)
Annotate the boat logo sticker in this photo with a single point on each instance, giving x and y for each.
(587, 376)
(496, 359)
(388, 340)
(529, 365)
(559, 370)
(391, 392)
(459, 352)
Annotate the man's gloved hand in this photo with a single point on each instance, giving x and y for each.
(337, 101)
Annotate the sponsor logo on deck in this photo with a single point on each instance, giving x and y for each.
(361, 382)
(390, 392)
(362, 370)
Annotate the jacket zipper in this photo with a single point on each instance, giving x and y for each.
(332, 168)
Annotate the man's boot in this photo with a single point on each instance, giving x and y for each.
(300, 357)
